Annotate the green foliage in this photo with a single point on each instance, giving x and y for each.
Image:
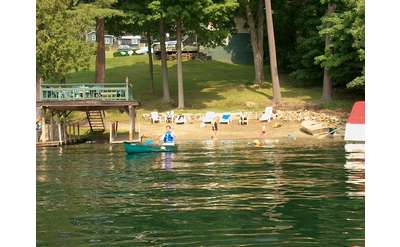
(345, 55)
(300, 31)
(60, 45)
(298, 41)
(61, 27)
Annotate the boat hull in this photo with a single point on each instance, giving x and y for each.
(131, 148)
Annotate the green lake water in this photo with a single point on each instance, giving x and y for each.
(206, 194)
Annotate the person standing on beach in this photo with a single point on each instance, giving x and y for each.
(214, 127)
(264, 130)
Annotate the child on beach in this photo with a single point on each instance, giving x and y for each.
(264, 130)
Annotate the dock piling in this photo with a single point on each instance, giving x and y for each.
(60, 139)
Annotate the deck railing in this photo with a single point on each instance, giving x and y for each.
(88, 91)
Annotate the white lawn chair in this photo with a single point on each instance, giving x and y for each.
(181, 119)
(169, 117)
(243, 119)
(155, 117)
(209, 117)
(225, 118)
(267, 115)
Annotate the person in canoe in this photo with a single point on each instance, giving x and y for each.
(168, 137)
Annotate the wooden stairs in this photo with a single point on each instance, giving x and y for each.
(96, 121)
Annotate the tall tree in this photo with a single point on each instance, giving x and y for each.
(253, 11)
(101, 51)
(327, 82)
(151, 68)
(137, 17)
(195, 17)
(164, 66)
(101, 9)
(159, 8)
(179, 71)
(272, 54)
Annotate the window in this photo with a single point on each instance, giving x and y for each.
(93, 37)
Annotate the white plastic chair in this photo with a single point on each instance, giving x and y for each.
(155, 118)
(268, 115)
(209, 117)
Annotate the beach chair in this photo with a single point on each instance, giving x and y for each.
(243, 119)
(155, 117)
(225, 118)
(267, 115)
(181, 119)
(209, 117)
(169, 117)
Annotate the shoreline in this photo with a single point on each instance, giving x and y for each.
(289, 131)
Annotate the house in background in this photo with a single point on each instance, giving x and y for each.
(108, 39)
(129, 42)
(237, 48)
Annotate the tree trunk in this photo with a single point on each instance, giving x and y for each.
(164, 68)
(153, 91)
(327, 83)
(254, 44)
(101, 53)
(276, 91)
(179, 72)
(260, 29)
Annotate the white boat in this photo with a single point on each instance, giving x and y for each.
(355, 129)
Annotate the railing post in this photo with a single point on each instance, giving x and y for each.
(126, 88)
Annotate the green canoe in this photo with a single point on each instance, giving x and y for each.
(131, 148)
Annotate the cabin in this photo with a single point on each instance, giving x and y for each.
(237, 46)
(129, 42)
(108, 39)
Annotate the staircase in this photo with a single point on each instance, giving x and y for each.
(95, 120)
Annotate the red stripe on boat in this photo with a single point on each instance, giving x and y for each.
(357, 115)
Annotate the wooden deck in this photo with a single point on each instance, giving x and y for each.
(62, 99)
(86, 105)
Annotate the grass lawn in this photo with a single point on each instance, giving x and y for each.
(208, 85)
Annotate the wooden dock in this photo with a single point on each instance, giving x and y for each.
(57, 101)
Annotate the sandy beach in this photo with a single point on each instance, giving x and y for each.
(233, 131)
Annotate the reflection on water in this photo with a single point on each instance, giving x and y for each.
(212, 193)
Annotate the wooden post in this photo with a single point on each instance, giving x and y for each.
(65, 135)
(116, 128)
(79, 137)
(60, 139)
(127, 93)
(44, 129)
(51, 130)
(69, 133)
(73, 133)
(131, 122)
(111, 132)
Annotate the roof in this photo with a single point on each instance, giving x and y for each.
(130, 37)
(357, 115)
